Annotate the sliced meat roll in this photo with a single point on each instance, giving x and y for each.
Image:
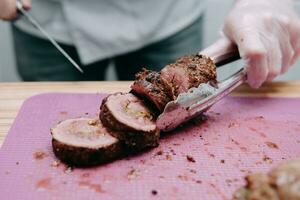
(84, 142)
(133, 121)
(188, 72)
(149, 85)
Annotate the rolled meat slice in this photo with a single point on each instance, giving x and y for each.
(132, 121)
(187, 72)
(150, 86)
(84, 142)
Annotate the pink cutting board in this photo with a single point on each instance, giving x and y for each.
(242, 135)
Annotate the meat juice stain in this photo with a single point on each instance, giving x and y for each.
(95, 187)
(63, 113)
(244, 149)
(43, 184)
(252, 129)
(272, 145)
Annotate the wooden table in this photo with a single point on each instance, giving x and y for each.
(12, 95)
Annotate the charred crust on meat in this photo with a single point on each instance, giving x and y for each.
(189, 71)
(135, 141)
(149, 85)
(135, 138)
(85, 157)
(68, 145)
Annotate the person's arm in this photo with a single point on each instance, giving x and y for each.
(8, 9)
(267, 34)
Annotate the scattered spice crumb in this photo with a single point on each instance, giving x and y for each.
(168, 157)
(272, 145)
(173, 152)
(212, 155)
(86, 113)
(63, 113)
(262, 135)
(68, 170)
(87, 185)
(17, 163)
(258, 163)
(159, 153)
(199, 181)
(222, 161)
(232, 124)
(154, 192)
(55, 163)
(235, 142)
(39, 155)
(228, 182)
(161, 177)
(259, 118)
(142, 161)
(193, 171)
(183, 177)
(253, 129)
(43, 184)
(92, 122)
(246, 171)
(267, 159)
(190, 158)
(132, 174)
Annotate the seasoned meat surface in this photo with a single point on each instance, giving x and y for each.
(150, 86)
(161, 87)
(84, 142)
(128, 119)
(189, 71)
(131, 118)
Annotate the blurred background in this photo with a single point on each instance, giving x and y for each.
(212, 23)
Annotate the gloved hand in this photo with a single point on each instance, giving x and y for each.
(267, 34)
(8, 10)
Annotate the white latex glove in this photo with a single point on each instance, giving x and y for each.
(8, 9)
(267, 33)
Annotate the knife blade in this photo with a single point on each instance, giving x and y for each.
(46, 34)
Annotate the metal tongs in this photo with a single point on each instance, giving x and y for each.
(195, 101)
